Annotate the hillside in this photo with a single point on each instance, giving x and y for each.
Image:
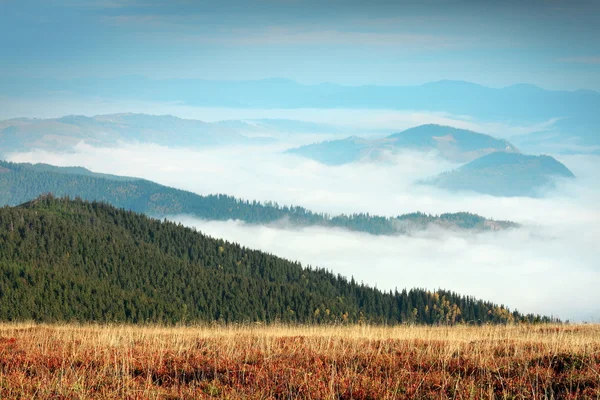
(108, 130)
(22, 182)
(505, 174)
(70, 260)
(453, 144)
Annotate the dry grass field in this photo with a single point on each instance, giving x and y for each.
(306, 362)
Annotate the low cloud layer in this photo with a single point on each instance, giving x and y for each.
(538, 271)
(549, 266)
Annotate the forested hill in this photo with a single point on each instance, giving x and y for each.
(71, 260)
(21, 182)
(505, 174)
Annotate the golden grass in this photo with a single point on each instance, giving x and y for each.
(304, 362)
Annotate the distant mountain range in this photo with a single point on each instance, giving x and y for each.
(576, 111)
(22, 182)
(70, 260)
(453, 144)
(528, 178)
(505, 174)
(22, 134)
(521, 101)
(107, 130)
(494, 166)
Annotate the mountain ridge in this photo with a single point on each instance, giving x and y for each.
(23, 182)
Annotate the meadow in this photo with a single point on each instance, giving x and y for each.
(299, 362)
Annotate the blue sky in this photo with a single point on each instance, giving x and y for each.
(552, 44)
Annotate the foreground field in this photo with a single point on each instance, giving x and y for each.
(276, 362)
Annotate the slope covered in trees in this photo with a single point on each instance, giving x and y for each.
(21, 182)
(71, 260)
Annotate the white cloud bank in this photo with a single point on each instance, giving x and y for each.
(549, 266)
(529, 269)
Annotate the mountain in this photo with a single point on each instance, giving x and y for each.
(575, 111)
(70, 260)
(22, 182)
(522, 104)
(107, 130)
(576, 122)
(505, 174)
(453, 144)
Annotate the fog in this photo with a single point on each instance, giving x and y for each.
(532, 270)
(548, 266)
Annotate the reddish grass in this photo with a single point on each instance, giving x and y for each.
(276, 362)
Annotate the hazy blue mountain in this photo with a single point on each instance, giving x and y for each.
(577, 111)
(521, 101)
(505, 174)
(62, 133)
(457, 145)
(21, 182)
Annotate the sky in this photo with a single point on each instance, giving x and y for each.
(549, 43)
